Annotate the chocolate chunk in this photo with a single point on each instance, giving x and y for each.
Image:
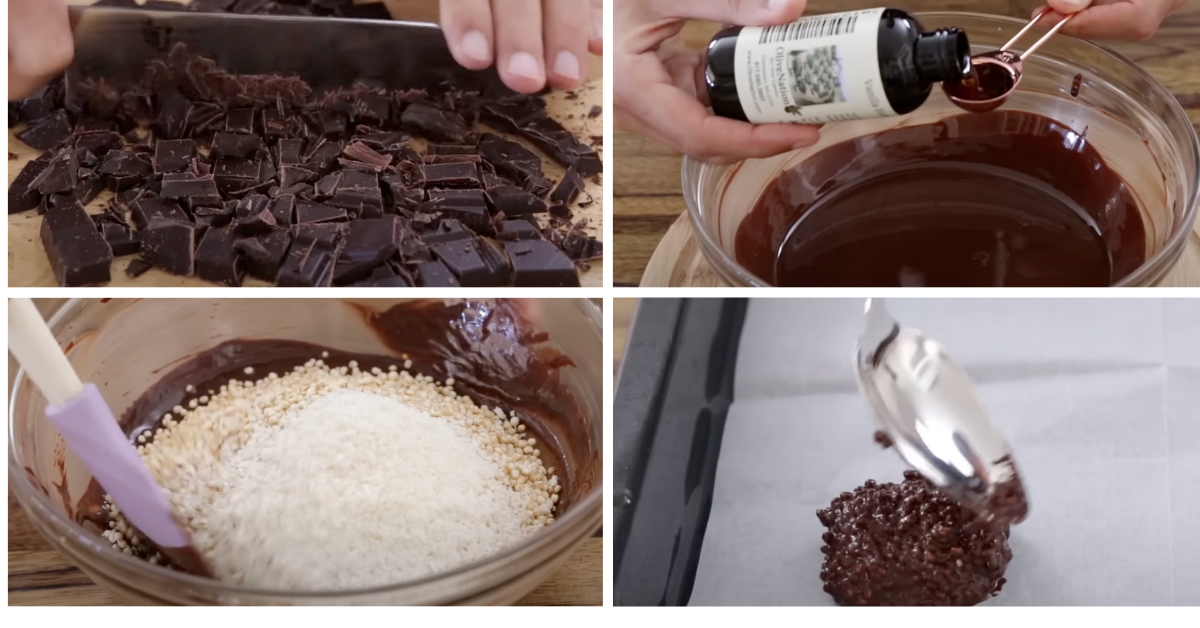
(550, 136)
(452, 175)
(217, 260)
(372, 109)
(323, 157)
(453, 159)
(235, 145)
(170, 245)
(537, 186)
(198, 191)
(39, 104)
(173, 155)
(327, 185)
(363, 153)
(440, 125)
(518, 230)
(283, 208)
(314, 213)
(100, 143)
(466, 206)
(307, 264)
(328, 235)
(276, 124)
(86, 190)
(229, 170)
(58, 176)
(383, 276)
(368, 244)
(446, 231)
(213, 216)
(137, 267)
(20, 196)
(512, 115)
(240, 121)
(435, 274)
(449, 149)
(510, 158)
(595, 112)
(78, 254)
(388, 142)
(331, 124)
(291, 175)
(253, 216)
(124, 164)
(561, 212)
(513, 201)
(579, 247)
(47, 132)
(288, 153)
(469, 265)
(568, 189)
(121, 239)
(399, 196)
(173, 112)
(264, 254)
(537, 263)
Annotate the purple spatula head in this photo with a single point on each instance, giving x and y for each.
(94, 435)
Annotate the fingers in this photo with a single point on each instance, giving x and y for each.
(1066, 7)
(596, 38)
(1112, 20)
(566, 32)
(744, 12)
(468, 27)
(39, 44)
(686, 125)
(519, 44)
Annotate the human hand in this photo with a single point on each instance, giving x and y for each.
(532, 41)
(1135, 20)
(39, 44)
(654, 80)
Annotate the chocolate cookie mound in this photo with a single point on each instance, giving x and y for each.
(909, 545)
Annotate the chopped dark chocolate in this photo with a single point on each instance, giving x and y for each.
(283, 208)
(217, 260)
(307, 264)
(449, 149)
(435, 274)
(20, 196)
(121, 239)
(537, 263)
(510, 158)
(235, 145)
(472, 268)
(124, 163)
(513, 201)
(197, 191)
(372, 109)
(561, 212)
(365, 154)
(86, 190)
(518, 230)
(39, 104)
(240, 121)
(324, 156)
(264, 254)
(315, 213)
(331, 124)
(170, 245)
(595, 112)
(291, 175)
(432, 122)
(466, 206)
(47, 132)
(100, 143)
(173, 155)
(137, 267)
(213, 216)
(448, 230)
(253, 216)
(288, 153)
(58, 176)
(568, 189)
(327, 185)
(383, 276)
(78, 254)
(452, 175)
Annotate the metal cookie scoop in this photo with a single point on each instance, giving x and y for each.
(995, 75)
(926, 405)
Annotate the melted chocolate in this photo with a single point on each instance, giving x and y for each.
(909, 545)
(492, 351)
(1004, 198)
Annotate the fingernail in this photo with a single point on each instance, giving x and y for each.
(566, 65)
(776, 6)
(475, 45)
(523, 64)
(1073, 3)
(598, 27)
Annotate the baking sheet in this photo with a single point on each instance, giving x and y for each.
(1100, 399)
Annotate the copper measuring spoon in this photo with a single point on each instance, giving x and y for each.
(995, 74)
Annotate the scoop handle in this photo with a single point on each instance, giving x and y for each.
(34, 346)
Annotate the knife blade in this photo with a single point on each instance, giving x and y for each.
(327, 52)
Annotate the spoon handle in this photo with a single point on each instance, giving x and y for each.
(34, 346)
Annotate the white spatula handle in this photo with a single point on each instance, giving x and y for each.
(30, 341)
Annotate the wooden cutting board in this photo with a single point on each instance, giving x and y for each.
(678, 261)
(29, 267)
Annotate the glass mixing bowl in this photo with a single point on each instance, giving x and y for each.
(1132, 119)
(121, 344)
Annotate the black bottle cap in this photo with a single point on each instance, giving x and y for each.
(943, 55)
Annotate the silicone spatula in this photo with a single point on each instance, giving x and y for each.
(91, 432)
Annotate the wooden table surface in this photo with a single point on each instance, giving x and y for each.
(39, 575)
(646, 188)
(29, 266)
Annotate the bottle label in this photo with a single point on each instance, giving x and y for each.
(818, 69)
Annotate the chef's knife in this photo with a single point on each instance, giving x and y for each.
(326, 52)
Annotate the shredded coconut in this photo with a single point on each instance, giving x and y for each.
(325, 478)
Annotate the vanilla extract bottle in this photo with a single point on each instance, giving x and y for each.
(829, 68)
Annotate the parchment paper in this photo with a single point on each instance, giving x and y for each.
(1100, 399)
